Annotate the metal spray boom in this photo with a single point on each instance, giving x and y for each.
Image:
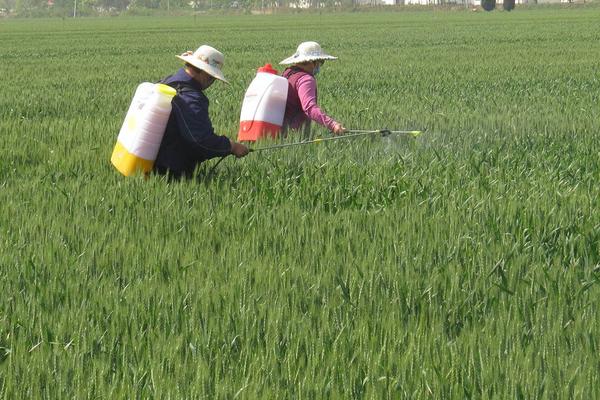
(351, 134)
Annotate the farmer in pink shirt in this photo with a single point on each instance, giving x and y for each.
(302, 106)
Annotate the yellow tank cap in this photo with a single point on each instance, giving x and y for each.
(166, 89)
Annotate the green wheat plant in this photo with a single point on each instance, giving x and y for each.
(461, 264)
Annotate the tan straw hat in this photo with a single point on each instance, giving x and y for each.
(308, 51)
(208, 59)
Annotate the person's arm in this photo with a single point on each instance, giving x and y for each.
(307, 92)
(195, 126)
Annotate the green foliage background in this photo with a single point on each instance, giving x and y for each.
(463, 264)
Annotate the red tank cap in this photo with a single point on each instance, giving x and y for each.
(268, 68)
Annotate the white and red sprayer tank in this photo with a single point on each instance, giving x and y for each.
(143, 129)
(264, 105)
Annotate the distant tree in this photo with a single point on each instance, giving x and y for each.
(508, 5)
(488, 5)
(28, 8)
(7, 4)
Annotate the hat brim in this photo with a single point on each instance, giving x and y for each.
(209, 69)
(295, 59)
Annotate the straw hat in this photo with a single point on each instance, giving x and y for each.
(308, 51)
(208, 59)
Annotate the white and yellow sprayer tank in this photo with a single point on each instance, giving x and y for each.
(143, 129)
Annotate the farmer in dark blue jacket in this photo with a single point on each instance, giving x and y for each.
(189, 138)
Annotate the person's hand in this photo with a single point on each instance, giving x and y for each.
(238, 149)
(338, 129)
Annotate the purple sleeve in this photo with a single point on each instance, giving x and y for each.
(307, 92)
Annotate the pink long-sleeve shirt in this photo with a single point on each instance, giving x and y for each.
(302, 106)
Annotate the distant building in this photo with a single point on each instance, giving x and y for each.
(300, 4)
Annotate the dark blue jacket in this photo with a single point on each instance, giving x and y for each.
(189, 137)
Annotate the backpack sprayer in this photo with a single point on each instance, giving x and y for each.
(263, 112)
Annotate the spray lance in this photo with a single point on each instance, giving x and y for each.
(350, 134)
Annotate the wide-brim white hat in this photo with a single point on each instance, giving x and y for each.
(308, 51)
(208, 59)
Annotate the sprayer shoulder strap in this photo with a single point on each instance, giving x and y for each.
(179, 86)
(289, 72)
